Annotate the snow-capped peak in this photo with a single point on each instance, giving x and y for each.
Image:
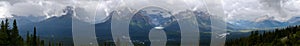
(266, 17)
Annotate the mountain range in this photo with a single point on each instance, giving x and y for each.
(60, 28)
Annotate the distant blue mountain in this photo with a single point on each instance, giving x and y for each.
(294, 21)
(264, 24)
(244, 24)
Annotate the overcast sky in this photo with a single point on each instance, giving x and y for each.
(86, 9)
(254, 9)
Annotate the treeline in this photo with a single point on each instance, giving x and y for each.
(289, 36)
(9, 36)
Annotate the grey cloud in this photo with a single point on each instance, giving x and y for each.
(24, 9)
(13, 1)
(253, 9)
(235, 9)
(89, 8)
(36, 8)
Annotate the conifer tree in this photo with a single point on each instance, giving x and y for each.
(3, 38)
(7, 32)
(49, 43)
(11, 36)
(34, 37)
(16, 40)
(42, 43)
(289, 36)
(28, 39)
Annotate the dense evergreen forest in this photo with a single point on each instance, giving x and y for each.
(289, 36)
(9, 36)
